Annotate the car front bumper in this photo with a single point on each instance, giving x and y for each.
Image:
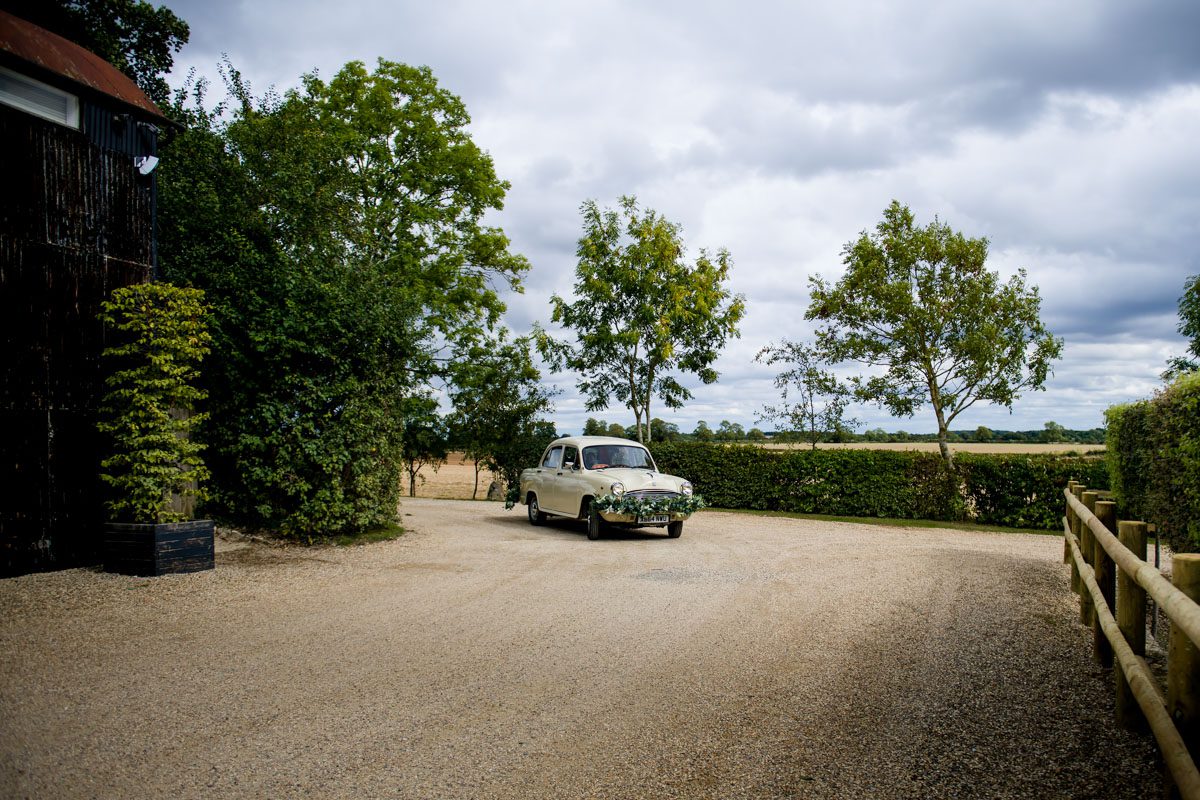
(632, 520)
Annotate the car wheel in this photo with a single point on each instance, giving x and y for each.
(536, 515)
(675, 529)
(595, 524)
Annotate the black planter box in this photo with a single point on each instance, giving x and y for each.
(139, 549)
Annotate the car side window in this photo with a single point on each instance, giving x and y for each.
(570, 457)
(553, 458)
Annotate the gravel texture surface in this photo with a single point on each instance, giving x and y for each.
(481, 657)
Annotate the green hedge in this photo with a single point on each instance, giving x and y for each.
(1153, 455)
(1010, 490)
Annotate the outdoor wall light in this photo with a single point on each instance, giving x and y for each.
(145, 164)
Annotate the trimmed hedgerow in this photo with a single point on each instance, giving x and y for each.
(1153, 455)
(1009, 490)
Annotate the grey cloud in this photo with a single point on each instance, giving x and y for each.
(1063, 132)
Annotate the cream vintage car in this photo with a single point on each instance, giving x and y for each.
(606, 481)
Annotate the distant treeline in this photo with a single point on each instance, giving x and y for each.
(661, 431)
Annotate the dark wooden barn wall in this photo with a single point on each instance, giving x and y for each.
(76, 222)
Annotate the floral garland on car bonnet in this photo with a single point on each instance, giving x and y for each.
(644, 506)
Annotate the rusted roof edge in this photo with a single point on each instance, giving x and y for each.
(60, 61)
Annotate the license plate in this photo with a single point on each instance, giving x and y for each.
(654, 519)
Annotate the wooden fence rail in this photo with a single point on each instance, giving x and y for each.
(1093, 551)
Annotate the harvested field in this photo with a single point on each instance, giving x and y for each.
(454, 480)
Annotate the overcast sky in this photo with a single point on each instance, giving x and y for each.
(1066, 133)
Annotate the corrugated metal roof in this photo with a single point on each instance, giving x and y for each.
(64, 58)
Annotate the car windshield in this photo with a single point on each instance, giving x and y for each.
(603, 456)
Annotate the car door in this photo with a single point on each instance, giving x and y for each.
(568, 483)
(546, 483)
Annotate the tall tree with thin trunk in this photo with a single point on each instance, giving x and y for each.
(921, 305)
(641, 312)
(813, 401)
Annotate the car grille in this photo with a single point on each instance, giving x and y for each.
(651, 494)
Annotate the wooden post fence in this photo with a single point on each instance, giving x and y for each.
(1094, 551)
(1131, 618)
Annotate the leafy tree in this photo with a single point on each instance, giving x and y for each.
(755, 435)
(813, 400)
(702, 433)
(661, 431)
(921, 304)
(522, 449)
(616, 430)
(595, 427)
(983, 434)
(132, 35)
(1189, 327)
(730, 431)
(876, 435)
(641, 313)
(425, 441)
(495, 391)
(1054, 433)
(338, 234)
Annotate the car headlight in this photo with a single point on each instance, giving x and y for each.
(617, 488)
(686, 488)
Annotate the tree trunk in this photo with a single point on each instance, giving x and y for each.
(412, 483)
(944, 444)
(475, 491)
(936, 398)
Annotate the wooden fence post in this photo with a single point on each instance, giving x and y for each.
(1087, 614)
(1131, 618)
(1106, 575)
(1071, 526)
(1183, 662)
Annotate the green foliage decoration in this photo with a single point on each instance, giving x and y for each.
(148, 412)
(512, 496)
(644, 506)
(1153, 457)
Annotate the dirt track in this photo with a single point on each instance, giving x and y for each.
(481, 657)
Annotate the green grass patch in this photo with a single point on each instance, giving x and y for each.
(902, 523)
(384, 534)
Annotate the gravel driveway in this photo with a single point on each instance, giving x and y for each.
(478, 656)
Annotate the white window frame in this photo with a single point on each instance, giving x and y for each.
(69, 117)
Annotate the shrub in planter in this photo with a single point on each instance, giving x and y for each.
(154, 469)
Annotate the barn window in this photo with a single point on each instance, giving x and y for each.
(35, 97)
